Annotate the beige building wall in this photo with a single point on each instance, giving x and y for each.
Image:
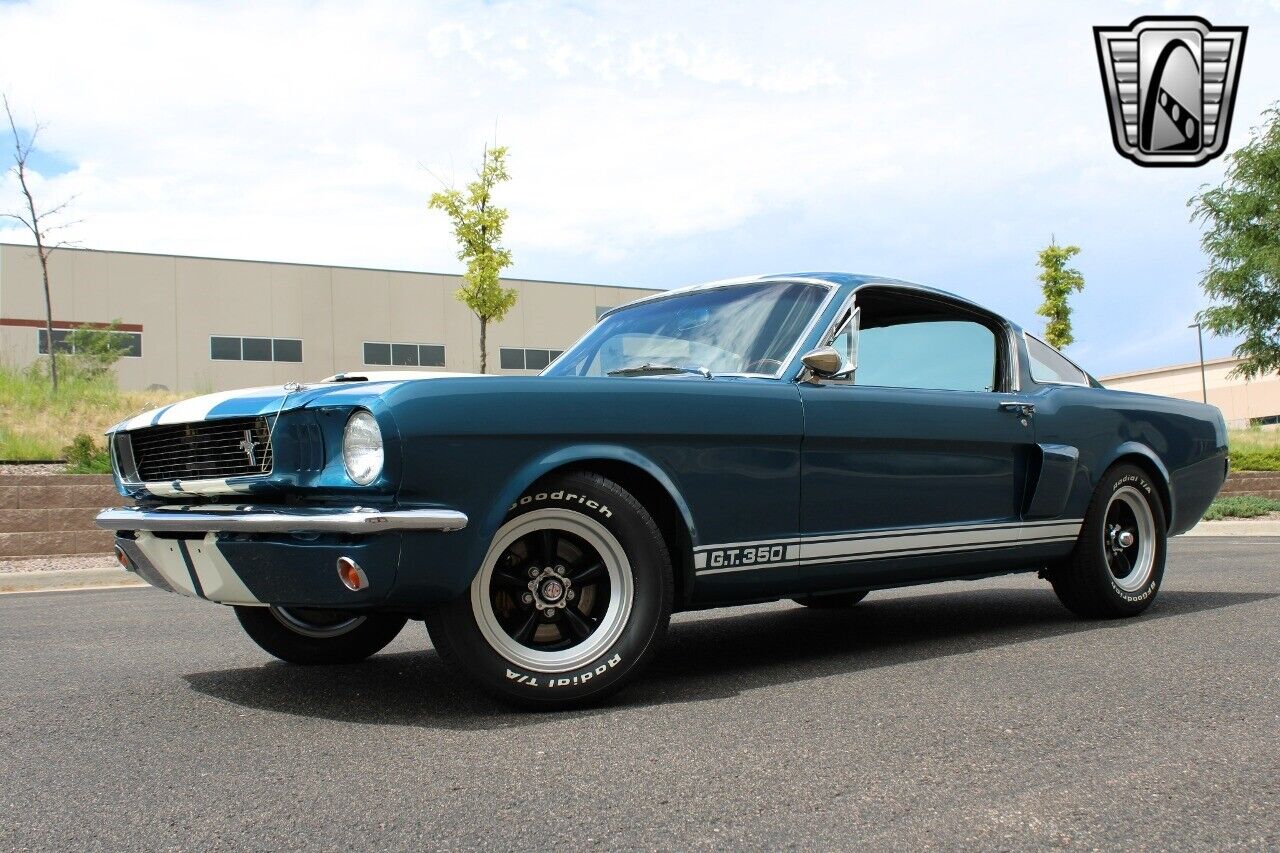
(1241, 402)
(179, 302)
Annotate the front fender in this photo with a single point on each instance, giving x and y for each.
(563, 457)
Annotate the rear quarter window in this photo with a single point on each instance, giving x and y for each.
(1049, 365)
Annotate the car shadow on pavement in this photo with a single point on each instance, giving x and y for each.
(711, 655)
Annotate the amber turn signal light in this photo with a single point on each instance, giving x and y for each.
(351, 575)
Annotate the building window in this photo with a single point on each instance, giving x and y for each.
(404, 355)
(61, 343)
(286, 349)
(513, 358)
(255, 349)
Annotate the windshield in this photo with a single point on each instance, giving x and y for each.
(746, 328)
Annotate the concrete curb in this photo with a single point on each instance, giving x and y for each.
(1236, 527)
(67, 579)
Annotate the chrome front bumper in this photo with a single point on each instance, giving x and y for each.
(265, 519)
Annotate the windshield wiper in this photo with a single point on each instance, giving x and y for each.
(660, 370)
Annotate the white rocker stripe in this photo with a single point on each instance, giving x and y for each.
(901, 531)
(880, 544)
(942, 549)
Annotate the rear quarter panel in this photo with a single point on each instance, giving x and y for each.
(1185, 442)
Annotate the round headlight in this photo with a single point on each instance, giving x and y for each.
(362, 448)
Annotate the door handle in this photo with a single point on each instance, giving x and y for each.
(1026, 410)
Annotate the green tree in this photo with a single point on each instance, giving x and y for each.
(1058, 281)
(1242, 240)
(96, 349)
(477, 225)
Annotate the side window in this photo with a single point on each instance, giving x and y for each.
(939, 354)
(1048, 365)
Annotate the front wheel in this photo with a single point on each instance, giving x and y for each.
(311, 636)
(570, 601)
(1118, 562)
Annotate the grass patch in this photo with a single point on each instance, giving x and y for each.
(35, 423)
(85, 455)
(1240, 506)
(1254, 449)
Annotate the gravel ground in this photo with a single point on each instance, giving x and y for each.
(29, 469)
(963, 716)
(58, 564)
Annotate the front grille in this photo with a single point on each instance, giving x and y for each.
(234, 447)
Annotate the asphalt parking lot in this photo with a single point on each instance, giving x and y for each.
(966, 715)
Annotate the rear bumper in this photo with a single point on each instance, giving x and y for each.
(255, 519)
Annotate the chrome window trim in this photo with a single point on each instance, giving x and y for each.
(832, 289)
(1030, 337)
(1013, 364)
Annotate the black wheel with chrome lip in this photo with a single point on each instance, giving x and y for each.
(306, 635)
(574, 593)
(558, 592)
(1118, 562)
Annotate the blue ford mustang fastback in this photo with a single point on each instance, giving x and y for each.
(812, 436)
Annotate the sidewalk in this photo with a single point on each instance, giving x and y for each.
(41, 574)
(1237, 527)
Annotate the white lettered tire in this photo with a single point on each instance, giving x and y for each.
(1118, 562)
(571, 600)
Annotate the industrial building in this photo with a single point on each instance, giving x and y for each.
(209, 324)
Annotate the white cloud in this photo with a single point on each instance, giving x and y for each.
(646, 139)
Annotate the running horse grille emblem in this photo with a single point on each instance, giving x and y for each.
(1170, 85)
(250, 447)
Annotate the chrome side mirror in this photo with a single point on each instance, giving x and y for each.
(823, 361)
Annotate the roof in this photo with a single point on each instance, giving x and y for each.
(321, 266)
(1170, 368)
(839, 279)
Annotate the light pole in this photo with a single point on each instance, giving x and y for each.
(1204, 387)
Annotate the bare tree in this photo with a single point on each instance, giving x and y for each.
(36, 221)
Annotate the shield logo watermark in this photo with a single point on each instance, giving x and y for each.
(1170, 84)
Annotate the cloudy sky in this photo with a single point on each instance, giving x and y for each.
(651, 144)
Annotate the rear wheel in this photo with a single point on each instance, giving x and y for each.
(1118, 562)
(835, 601)
(307, 635)
(572, 597)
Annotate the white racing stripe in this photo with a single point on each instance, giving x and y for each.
(218, 581)
(186, 488)
(199, 408)
(879, 544)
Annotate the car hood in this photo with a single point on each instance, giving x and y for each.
(272, 399)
